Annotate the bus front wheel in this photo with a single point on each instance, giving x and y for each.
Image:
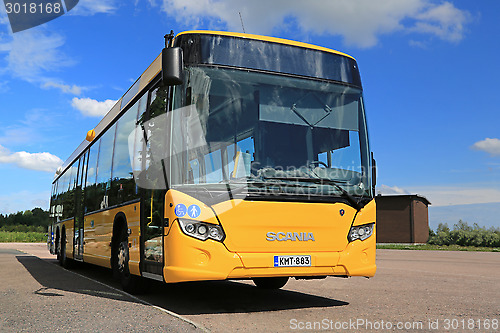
(270, 282)
(64, 261)
(130, 283)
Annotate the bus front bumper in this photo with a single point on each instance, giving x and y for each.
(189, 259)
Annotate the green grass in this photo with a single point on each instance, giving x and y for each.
(437, 247)
(22, 237)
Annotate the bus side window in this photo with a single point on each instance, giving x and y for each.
(158, 102)
(69, 198)
(123, 187)
(63, 196)
(55, 209)
(104, 168)
(60, 195)
(90, 186)
(150, 140)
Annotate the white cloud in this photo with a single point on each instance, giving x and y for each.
(445, 21)
(92, 7)
(91, 107)
(152, 3)
(3, 16)
(65, 88)
(24, 200)
(17, 134)
(447, 195)
(491, 146)
(388, 190)
(33, 161)
(4, 19)
(31, 53)
(458, 195)
(33, 127)
(359, 22)
(4, 86)
(419, 44)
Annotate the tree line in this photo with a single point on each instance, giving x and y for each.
(37, 217)
(465, 235)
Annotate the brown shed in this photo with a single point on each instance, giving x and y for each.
(402, 219)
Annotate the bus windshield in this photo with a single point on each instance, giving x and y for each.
(268, 133)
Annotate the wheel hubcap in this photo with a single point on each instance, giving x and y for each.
(122, 258)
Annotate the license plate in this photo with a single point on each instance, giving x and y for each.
(292, 261)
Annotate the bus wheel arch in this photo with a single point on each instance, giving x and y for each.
(120, 257)
(119, 226)
(64, 261)
(57, 245)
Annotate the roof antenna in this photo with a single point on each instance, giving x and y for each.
(168, 38)
(241, 19)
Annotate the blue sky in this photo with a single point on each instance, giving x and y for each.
(428, 68)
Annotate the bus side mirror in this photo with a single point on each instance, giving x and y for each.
(374, 173)
(172, 66)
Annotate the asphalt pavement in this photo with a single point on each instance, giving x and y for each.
(417, 291)
(36, 295)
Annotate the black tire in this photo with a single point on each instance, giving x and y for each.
(270, 282)
(57, 247)
(64, 261)
(132, 284)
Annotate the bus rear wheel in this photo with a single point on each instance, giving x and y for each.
(270, 282)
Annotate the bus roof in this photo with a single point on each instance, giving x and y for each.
(153, 70)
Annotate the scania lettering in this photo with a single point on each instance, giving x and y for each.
(292, 236)
(233, 156)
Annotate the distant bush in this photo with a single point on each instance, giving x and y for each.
(465, 235)
(23, 228)
(22, 237)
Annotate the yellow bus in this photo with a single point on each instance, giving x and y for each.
(233, 156)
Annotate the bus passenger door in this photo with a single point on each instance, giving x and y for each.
(152, 203)
(153, 123)
(79, 196)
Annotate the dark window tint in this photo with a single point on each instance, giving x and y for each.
(68, 196)
(267, 56)
(123, 187)
(91, 203)
(150, 142)
(53, 200)
(103, 180)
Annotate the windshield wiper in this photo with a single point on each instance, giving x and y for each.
(323, 181)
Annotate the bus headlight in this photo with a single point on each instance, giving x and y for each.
(360, 232)
(202, 230)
